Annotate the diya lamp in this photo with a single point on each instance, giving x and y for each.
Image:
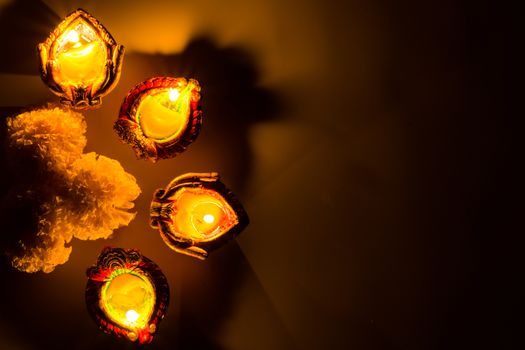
(196, 213)
(80, 61)
(127, 294)
(160, 117)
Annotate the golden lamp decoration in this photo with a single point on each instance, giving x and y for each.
(80, 61)
(160, 117)
(196, 214)
(127, 294)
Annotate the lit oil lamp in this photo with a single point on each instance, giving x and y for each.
(196, 214)
(160, 117)
(80, 61)
(127, 294)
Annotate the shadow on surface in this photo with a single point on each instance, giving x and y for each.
(232, 103)
(23, 25)
(231, 97)
(19, 217)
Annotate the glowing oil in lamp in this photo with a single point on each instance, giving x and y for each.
(80, 56)
(163, 115)
(196, 214)
(127, 294)
(202, 214)
(128, 299)
(160, 117)
(80, 61)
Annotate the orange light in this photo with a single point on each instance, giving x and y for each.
(208, 218)
(127, 294)
(197, 210)
(174, 94)
(160, 117)
(80, 61)
(196, 214)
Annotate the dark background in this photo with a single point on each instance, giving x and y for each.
(367, 141)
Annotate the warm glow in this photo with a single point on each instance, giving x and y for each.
(208, 218)
(160, 117)
(81, 57)
(128, 299)
(132, 316)
(80, 61)
(72, 36)
(164, 114)
(174, 94)
(127, 294)
(83, 50)
(202, 214)
(196, 214)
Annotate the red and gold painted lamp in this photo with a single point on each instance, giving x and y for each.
(80, 61)
(196, 214)
(160, 117)
(127, 294)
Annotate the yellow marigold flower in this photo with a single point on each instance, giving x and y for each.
(79, 195)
